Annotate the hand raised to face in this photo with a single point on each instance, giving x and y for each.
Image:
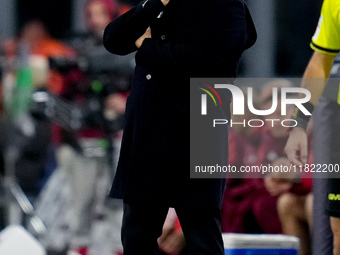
(140, 40)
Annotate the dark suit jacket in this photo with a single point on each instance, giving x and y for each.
(190, 38)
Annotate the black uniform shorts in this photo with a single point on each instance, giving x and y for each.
(333, 201)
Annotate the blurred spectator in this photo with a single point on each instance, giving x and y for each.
(102, 80)
(25, 143)
(35, 35)
(292, 193)
(256, 208)
(25, 69)
(36, 38)
(296, 217)
(295, 203)
(270, 150)
(238, 197)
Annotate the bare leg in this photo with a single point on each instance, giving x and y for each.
(294, 221)
(309, 210)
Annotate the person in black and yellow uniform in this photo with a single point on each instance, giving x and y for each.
(326, 46)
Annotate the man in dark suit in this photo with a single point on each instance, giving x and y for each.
(175, 40)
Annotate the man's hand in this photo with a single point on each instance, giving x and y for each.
(165, 2)
(173, 244)
(140, 40)
(297, 146)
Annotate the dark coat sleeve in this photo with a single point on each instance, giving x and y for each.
(223, 34)
(120, 35)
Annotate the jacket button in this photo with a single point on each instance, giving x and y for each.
(160, 15)
(148, 77)
(163, 37)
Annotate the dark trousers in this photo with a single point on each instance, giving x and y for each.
(322, 139)
(143, 223)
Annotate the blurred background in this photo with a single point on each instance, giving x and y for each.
(58, 154)
(284, 29)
